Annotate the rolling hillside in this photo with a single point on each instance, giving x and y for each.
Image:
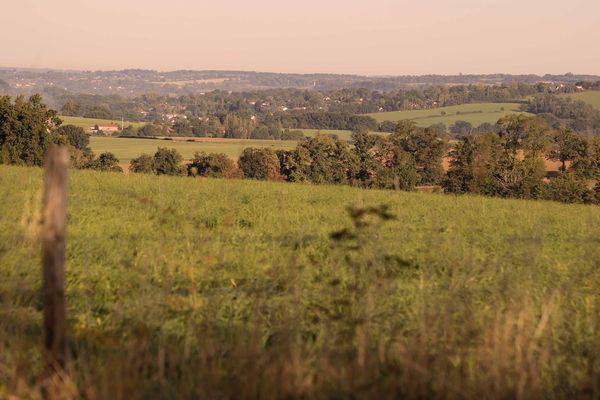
(476, 114)
(591, 97)
(290, 290)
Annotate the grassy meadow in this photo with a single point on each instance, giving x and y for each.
(591, 97)
(341, 134)
(88, 123)
(204, 288)
(475, 113)
(126, 149)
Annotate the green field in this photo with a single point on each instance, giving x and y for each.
(341, 134)
(476, 114)
(200, 288)
(88, 123)
(591, 97)
(126, 149)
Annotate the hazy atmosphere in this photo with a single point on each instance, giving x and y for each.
(378, 37)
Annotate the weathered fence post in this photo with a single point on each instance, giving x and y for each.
(56, 355)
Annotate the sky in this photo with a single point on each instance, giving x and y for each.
(367, 37)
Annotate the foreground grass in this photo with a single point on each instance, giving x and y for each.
(197, 288)
(127, 148)
(475, 113)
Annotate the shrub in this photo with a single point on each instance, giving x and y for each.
(105, 162)
(217, 165)
(259, 164)
(143, 164)
(166, 162)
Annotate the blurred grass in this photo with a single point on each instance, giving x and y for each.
(201, 288)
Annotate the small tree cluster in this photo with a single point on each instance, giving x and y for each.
(213, 165)
(259, 163)
(164, 162)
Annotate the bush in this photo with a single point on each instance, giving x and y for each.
(166, 162)
(104, 162)
(216, 165)
(259, 164)
(144, 164)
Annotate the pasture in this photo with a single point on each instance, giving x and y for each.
(125, 149)
(476, 114)
(204, 288)
(341, 134)
(88, 123)
(591, 97)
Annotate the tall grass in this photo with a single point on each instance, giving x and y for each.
(199, 288)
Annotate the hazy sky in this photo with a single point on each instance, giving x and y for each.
(373, 37)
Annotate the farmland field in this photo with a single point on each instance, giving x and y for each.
(476, 114)
(126, 149)
(88, 123)
(341, 134)
(591, 97)
(200, 288)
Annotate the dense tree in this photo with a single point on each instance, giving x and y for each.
(471, 160)
(130, 130)
(568, 188)
(24, 130)
(588, 165)
(216, 165)
(151, 130)
(75, 136)
(167, 162)
(259, 163)
(461, 128)
(567, 146)
(105, 162)
(143, 164)
(511, 177)
(397, 169)
(328, 160)
(427, 148)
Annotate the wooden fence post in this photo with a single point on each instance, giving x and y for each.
(56, 354)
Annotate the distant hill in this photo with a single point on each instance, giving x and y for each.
(134, 82)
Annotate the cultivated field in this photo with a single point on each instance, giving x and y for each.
(126, 149)
(200, 288)
(476, 114)
(591, 97)
(88, 123)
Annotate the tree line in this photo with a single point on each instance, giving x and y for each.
(509, 163)
(506, 163)
(152, 107)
